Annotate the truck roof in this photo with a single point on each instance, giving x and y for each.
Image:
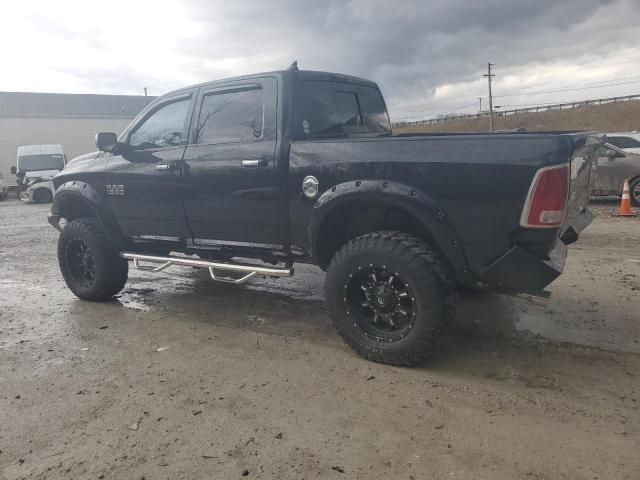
(297, 74)
(39, 150)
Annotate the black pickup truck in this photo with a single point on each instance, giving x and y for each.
(249, 175)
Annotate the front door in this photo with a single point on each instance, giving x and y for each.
(230, 178)
(144, 183)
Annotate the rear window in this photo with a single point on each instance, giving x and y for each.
(336, 109)
(623, 142)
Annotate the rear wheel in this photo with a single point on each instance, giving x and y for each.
(389, 295)
(92, 268)
(634, 190)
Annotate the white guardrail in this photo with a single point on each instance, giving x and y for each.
(502, 113)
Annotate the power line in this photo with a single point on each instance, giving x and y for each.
(588, 86)
(569, 89)
(595, 84)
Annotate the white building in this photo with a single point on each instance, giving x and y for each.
(71, 120)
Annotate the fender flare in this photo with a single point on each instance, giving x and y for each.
(78, 191)
(408, 198)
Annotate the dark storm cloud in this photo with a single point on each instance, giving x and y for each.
(411, 47)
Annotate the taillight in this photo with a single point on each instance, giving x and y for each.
(547, 198)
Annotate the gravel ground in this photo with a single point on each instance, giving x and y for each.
(180, 377)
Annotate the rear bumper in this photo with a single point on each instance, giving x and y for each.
(519, 270)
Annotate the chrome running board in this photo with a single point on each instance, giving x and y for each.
(249, 271)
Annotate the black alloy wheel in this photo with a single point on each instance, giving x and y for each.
(81, 262)
(381, 302)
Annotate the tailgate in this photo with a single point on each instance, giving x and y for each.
(584, 161)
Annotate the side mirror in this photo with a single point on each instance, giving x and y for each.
(106, 141)
(14, 170)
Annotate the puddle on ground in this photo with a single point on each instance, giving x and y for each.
(282, 302)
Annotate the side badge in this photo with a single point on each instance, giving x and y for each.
(115, 190)
(310, 186)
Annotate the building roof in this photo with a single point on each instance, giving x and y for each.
(70, 105)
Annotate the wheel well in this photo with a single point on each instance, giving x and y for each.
(42, 189)
(72, 208)
(358, 218)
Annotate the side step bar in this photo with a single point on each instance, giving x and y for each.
(249, 271)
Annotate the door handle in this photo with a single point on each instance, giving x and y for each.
(259, 162)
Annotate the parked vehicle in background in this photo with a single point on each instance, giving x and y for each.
(615, 165)
(249, 175)
(629, 141)
(3, 188)
(36, 165)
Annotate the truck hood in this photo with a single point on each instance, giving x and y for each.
(82, 159)
(41, 173)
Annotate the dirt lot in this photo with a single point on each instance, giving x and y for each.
(183, 378)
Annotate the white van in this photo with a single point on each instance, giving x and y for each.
(35, 166)
(3, 188)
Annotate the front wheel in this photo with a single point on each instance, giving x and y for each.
(390, 295)
(92, 268)
(42, 195)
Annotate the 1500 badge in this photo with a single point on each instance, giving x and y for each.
(115, 190)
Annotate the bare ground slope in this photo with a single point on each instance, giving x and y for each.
(612, 117)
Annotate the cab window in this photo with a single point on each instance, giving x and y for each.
(231, 115)
(164, 128)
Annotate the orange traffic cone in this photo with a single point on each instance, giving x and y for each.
(625, 203)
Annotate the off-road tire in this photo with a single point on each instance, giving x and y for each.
(111, 270)
(421, 268)
(635, 201)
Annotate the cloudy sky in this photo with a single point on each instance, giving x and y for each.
(427, 55)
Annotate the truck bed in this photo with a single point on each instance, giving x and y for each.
(475, 183)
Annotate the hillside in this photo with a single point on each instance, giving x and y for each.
(611, 117)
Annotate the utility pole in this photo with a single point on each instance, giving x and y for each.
(489, 76)
(480, 100)
(146, 99)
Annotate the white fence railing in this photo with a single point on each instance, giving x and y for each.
(502, 113)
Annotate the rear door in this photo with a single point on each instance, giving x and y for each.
(230, 178)
(143, 186)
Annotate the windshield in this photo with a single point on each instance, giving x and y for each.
(624, 142)
(337, 109)
(51, 161)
